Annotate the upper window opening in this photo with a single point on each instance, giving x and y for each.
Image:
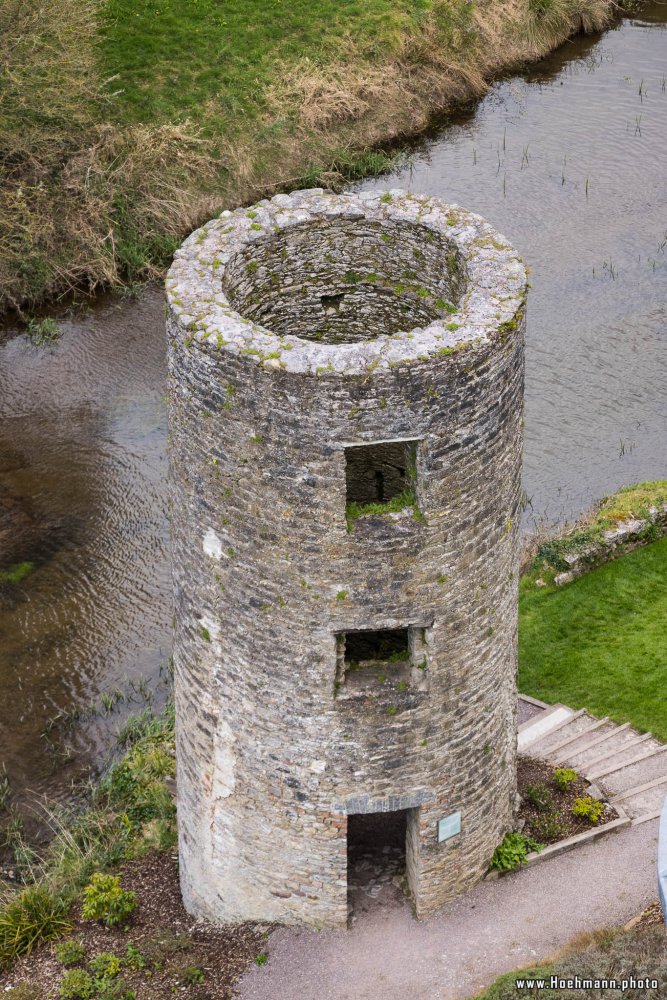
(381, 473)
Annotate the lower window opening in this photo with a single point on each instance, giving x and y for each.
(376, 656)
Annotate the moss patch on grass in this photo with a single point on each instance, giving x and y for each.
(16, 573)
(599, 642)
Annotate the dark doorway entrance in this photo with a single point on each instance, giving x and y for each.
(375, 859)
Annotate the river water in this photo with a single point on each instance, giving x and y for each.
(568, 160)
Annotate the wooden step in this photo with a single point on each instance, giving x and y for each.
(545, 725)
(629, 792)
(597, 740)
(627, 763)
(577, 736)
(613, 753)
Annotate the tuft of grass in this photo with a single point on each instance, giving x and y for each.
(599, 642)
(601, 956)
(43, 331)
(34, 915)
(397, 503)
(5, 788)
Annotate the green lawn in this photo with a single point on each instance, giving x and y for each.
(601, 641)
(175, 58)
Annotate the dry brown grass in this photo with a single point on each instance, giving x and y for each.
(424, 76)
(84, 203)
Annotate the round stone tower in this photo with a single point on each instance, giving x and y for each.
(346, 390)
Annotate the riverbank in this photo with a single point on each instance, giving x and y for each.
(125, 125)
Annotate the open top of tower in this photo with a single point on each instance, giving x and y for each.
(315, 282)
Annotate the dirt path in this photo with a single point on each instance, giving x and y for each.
(499, 926)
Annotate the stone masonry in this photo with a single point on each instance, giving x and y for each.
(346, 391)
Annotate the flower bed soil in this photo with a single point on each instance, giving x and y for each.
(554, 821)
(168, 938)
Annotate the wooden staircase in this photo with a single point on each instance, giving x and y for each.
(628, 767)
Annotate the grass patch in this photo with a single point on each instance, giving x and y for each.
(397, 503)
(125, 123)
(43, 331)
(599, 642)
(605, 954)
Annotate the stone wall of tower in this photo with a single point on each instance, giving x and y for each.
(274, 751)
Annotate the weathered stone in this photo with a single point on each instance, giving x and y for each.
(305, 326)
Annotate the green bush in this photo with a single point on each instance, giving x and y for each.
(549, 828)
(105, 900)
(539, 796)
(513, 851)
(77, 985)
(105, 965)
(191, 976)
(70, 952)
(27, 919)
(588, 808)
(564, 777)
(134, 958)
(115, 989)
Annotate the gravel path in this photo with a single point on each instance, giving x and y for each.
(499, 926)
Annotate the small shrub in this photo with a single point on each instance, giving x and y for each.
(24, 991)
(105, 900)
(134, 958)
(513, 851)
(70, 952)
(105, 965)
(539, 796)
(549, 827)
(588, 808)
(115, 989)
(77, 985)
(262, 958)
(163, 944)
(191, 976)
(564, 777)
